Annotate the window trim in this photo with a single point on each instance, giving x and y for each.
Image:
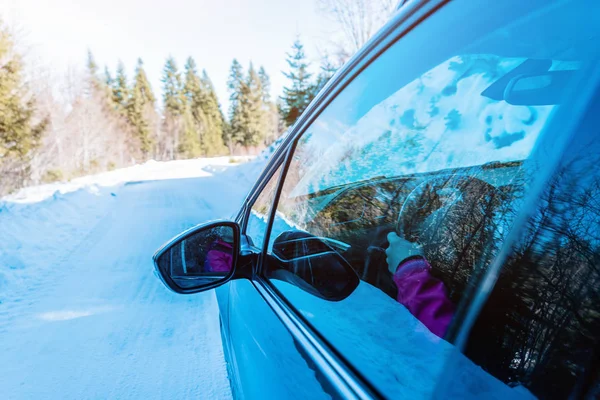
(271, 170)
(260, 184)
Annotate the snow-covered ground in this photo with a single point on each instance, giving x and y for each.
(81, 314)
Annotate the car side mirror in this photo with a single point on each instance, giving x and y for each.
(200, 258)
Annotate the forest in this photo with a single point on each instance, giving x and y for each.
(101, 119)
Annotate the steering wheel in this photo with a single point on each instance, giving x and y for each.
(432, 196)
(440, 201)
(424, 199)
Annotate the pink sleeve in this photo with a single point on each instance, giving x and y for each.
(424, 295)
(218, 261)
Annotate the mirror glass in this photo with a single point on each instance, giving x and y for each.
(201, 258)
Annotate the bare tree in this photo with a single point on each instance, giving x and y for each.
(83, 135)
(358, 21)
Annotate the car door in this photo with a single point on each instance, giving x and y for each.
(432, 140)
(265, 359)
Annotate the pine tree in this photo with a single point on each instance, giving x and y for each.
(108, 80)
(97, 87)
(204, 132)
(328, 69)
(20, 134)
(191, 85)
(91, 63)
(175, 104)
(106, 88)
(100, 88)
(95, 84)
(265, 83)
(215, 122)
(92, 82)
(141, 81)
(93, 119)
(270, 114)
(234, 84)
(173, 96)
(140, 109)
(120, 90)
(194, 118)
(236, 78)
(251, 110)
(189, 145)
(298, 95)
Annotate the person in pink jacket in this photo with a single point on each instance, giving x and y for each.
(220, 255)
(418, 290)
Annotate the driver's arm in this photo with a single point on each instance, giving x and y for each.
(420, 292)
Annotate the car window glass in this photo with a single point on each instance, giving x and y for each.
(400, 194)
(259, 213)
(540, 326)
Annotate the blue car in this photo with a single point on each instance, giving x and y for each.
(430, 226)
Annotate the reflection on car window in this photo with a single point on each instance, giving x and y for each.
(421, 128)
(259, 213)
(400, 194)
(541, 323)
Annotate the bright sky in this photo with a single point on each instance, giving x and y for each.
(59, 32)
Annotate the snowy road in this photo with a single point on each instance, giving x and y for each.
(99, 324)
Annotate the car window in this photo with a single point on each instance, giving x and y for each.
(400, 194)
(540, 326)
(259, 213)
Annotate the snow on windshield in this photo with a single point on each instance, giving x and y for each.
(440, 120)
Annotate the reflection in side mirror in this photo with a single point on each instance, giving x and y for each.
(199, 259)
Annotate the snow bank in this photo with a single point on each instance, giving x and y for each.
(82, 316)
(34, 235)
(246, 174)
(150, 170)
(41, 224)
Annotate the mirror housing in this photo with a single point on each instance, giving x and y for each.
(199, 259)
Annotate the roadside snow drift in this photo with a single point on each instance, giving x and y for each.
(81, 314)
